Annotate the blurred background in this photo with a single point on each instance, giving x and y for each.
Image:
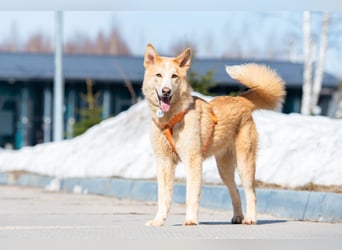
(102, 62)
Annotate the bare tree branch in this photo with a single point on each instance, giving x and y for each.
(128, 83)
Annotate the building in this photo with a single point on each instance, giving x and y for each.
(26, 89)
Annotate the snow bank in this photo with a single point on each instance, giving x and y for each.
(296, 150)
(116, 147)
(293, 150)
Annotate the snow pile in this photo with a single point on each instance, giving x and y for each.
(116, 147)
(293, 150)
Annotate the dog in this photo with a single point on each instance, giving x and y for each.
(189, 129)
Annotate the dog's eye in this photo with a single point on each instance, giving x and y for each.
(174, 76)
(158, 75)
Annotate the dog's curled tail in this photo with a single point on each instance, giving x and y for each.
(266, 88)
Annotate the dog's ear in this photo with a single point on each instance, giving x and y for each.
(184, 59)
(150, 56)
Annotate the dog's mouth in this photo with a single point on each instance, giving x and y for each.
(164, 102)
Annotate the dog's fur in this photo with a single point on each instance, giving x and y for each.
(233, 141)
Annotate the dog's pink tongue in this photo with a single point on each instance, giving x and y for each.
(164, 106)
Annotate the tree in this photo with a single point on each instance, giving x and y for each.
(127, 82)
(199, 83)
(202, 84)
(312, 87)
(179, 46)
(91, 115)
(38, 43)
(338, 103)
(307, 70)
(102, 44)
(11, 44)
(116, 44)
(319, 70)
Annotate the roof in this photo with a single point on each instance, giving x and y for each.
(292, 73)
(25, 66)
(41, 66)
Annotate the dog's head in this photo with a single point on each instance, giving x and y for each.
(165, 77)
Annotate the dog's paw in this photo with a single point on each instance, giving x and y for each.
(249, 221)
(237, 219)
(190, 223)
(154, 223)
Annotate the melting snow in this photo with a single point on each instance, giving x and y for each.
(293, 150)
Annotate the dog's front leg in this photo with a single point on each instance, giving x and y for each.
(193, 190)
(165, 176)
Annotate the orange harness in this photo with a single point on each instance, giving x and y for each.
(167, 129)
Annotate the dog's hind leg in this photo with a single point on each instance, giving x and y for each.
(226, 166)
(165, 177)
(246, 146)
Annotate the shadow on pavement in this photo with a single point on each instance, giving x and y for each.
(265, 222)
(260, 222)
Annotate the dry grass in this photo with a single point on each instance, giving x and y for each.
(14, 175)
(307, 187)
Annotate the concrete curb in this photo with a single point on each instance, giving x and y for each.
(298, 205)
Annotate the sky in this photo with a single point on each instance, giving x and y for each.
(215, 33)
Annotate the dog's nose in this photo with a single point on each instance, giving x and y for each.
(166, 91)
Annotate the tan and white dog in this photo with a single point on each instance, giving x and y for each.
(189, 129)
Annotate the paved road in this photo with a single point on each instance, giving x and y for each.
(28, 213)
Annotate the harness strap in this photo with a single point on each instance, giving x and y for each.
(177, 118)
(168, 135)
(167, 129)
(211, 132)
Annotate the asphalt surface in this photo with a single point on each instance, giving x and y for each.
(32, 213)
(297, 205)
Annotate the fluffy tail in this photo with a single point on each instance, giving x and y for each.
(266, 88)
